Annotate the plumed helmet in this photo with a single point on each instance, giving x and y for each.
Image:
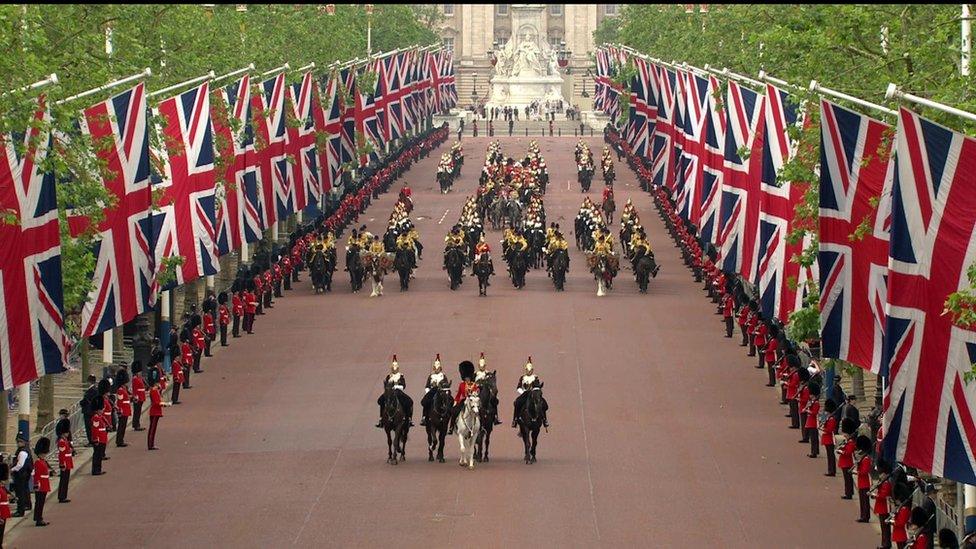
(528, 366)
(98, 402)
(863, 444)
(437, 363)
(394, 366)
(42, 446)
(104, 386)
(466, 369)
(848, 426)
(482, 362)
(830, 406)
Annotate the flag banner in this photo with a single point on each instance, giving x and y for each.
(662, 145)
(711, 178)
(306, 173)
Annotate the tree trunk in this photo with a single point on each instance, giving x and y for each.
(857, 383)
(45, 402)
(85, 361)
(878, 392)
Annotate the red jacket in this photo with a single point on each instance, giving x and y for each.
(728, 306)
(198, 340)
(224, 315)
(812, 414)
(251, 303)
(4, 503)
(176, 367)
(99, 433)
(42, 476)
(156, 408)
(462, 392)
(881, 504)
(187, 352)
(122, 402)
(864, 473)
(208, 325)
(237, 304)
(138, 389)
(65, 460)
(828, 431)
(846, 458)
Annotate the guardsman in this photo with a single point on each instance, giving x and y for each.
(155, 411)
(728, 312)
(99, 438)
(199, 341)
(178, 371)
(812, 412)
(467, 387)
(251, 303)
(123, 404)
(528, 382)
(187, 358)
(223, 316)
(209, 331)
(138, 395)
(882, 492)
(845, 461)
(4, 499)
(435, 381)
(42, 479)
(480, 375)
(237, 308)
(398, 382)
(66, 463)
(827, 431)
(864, 467)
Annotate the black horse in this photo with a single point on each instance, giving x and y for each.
(608, 207)
(644, 268)
(483, 270)
(530, 422)
(489, 411)
(585, 178)
(518, 264)
(560, 266)
(454, 262)
(396, 425)
(354, 264)
(403, 263)
(438, 421)
(322, 266)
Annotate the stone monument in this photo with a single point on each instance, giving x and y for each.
(527, 68)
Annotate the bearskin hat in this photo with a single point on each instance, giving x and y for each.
(222, 298)
(863, 444)
(794, 362)
(947, 538)
(42, 446)
(195, 321)
(830, 406)
(814, 389)
(121, 377)
(98, 402)
(4, 472)
(919, 517)
(848, 426)
(803, 372)
(104, 386)
(466, 369)
(136, 366)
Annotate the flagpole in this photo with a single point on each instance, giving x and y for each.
(282, 68)
(146, 73)
(234, 73)
(817, 88)
(726, 73)
(209, 76)
(894, 93)
(49, 81)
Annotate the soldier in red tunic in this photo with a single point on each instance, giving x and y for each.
(223, 317)
(199, 341)
(99, 437)
(209, 332)
(178, 371)
(286, 271)
(138, 396)
(465, 388)
(123, 404)
(186, 351)
(728, 310)
(251, 303)
(845, 455)
(864, 467)
(42, 479)
(257, 288)
(66, 462)
(155, 412)
(237, 310)
(827, 431)
(4, 499)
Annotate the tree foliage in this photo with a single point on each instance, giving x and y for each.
(177, 42)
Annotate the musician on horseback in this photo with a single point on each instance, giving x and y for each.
(467, 387)
(436, 381)
(480, 249)
(529, 382)
(398, 382)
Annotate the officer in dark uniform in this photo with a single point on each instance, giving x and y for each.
(86, 405)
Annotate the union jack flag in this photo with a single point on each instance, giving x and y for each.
(32, 341)
(437, 68)
(239, 203)
(853, 273)
(184, 223)
(124, 274)
(695, 91)
(271, 129)
(367, 125)
(430, 87)
(781, 281)
(333, 126)
(712, 163)
(449, 81)
(409, 83)
(643, 110)
(394, 127)
(348, 79)
(739, 210)
(929, 421)
(303, 145)
(663, 89)
(601, 83)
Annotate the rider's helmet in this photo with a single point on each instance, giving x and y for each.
(481, 362)
(528, 367)
(437, 363)
(394, 366)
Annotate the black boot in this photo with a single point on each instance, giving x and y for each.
(379, 424)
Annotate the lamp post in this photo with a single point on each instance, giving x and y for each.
(474, 91)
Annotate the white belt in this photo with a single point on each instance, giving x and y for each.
(398, 387)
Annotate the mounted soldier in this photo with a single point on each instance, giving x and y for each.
(437, 380)
(480, 377)
(398, 382)
(467, 387)
(529, 382)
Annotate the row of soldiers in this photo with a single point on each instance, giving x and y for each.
(852, 445)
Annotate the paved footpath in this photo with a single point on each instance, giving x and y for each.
(663, 434)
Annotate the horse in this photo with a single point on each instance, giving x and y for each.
(488, 392)
(560, 264)
(608, 174)
(482, 269)
(603, 269)
(444, 178)
(644, 268)
(518, 264)
(585, 177)
(468, 426)
(438, 420)
(530, 422)
(403, 263)
(321, 271)
(354, 264)
(537, 241)
(454, 261)
(376, 266)
(608, 207)
(396, 425)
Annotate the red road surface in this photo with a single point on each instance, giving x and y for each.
(663, 434)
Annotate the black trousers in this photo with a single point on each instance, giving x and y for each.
(39, 499)
(745, 337)
(814, 436)
(762, 358)
(772, 373)
(294, 272)
(236, 331)
(831, 460)
(22, 492)
(120, 436)
(153, 423)
(223, 335)
(63, 478)
(287, 281)
(186, 377)
(277, 289)
(848, 482)
(885, 531)
(206, 346)
(794, 414)
(752, 349)
(136, 414)
(96, 466)
(728, 327)
(865, 501)
(249, 323)
(176, 393)
(196, 361)
(803, 421)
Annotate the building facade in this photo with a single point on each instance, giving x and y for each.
(470, 30)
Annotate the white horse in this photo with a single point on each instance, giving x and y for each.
(468, 426)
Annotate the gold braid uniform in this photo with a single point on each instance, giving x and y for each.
(377, 247)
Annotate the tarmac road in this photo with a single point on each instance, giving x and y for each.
(663, 434)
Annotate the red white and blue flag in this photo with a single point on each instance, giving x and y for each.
(695, 92)
(333, 126)
(306, 177)
(663, 85)
(448, 80)
(711, 179)
(854, 159)
(643, 110)
(272, 132)
(348, 78)
(238, 214)
(32, 341)
(929, 420)
(183, 221)
(782, 282)
(394, 126)
(124, 274)
(601, 82)
(367, 125)
(739, 210)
